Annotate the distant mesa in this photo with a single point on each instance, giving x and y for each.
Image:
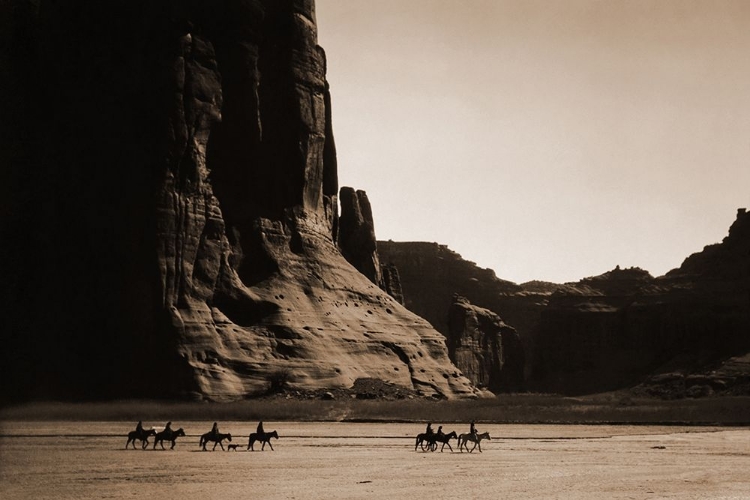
(609, 331)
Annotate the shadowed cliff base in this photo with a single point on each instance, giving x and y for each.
(612, 408)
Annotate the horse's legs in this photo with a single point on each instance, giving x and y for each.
(174, 441)
(479, 443)
(269, 444)
(222, 446)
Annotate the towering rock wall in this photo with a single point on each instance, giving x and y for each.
(431, 274)
(173, 210)
(608, 331)
(479, 342)
(484, 348)
(358, 244)
(357, 234)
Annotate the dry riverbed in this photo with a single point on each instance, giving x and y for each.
(356, 460)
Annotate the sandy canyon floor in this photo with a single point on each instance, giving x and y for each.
(353, 460)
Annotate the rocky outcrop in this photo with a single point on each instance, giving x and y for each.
(609, 331)
(612, 330)
(173, 210)
(392, 282)
(484, 348)
(356, 239)
(431, 274)
(356, 236)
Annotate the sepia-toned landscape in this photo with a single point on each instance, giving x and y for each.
(357, 460)
(176, 246)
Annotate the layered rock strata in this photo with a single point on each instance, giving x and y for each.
(484, 348)
(174, 211)
(609, 331)
(356, 236)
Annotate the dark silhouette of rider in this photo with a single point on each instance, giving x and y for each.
(168, 427)
(139, 427)
(215, 430)
(440, 431)
(260, 428)
(472, 429)
(429, 429)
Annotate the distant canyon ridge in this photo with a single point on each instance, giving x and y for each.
(173, 227)
(683, 334)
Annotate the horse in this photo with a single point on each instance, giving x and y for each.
(427, 441)
(168, 435)
(140, 436)
(444, 438)
(464, 438)
(263, 437)
(217, 438)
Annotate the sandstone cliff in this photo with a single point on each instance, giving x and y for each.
(484, 348)
(431, 274)
(173, 210)
(609, 331)
(356, 236)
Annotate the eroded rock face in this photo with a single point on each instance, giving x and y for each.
(357, 234)
(431, 274)
(392, 282)
(190, 192)
(617, 329)
(484, 348)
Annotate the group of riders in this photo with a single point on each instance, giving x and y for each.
(169, 434)
(429, 440)
(430, 437)
(430, 432)
(214, 432)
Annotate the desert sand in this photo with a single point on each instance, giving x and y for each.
(354, 460)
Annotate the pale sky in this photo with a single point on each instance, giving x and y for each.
(547, 140)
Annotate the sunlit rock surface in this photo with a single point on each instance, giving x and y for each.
(173, 210)
(484, 348)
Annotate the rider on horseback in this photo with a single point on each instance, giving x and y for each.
(260, 428)
(429, 430)
(139, 427)
(440, 431)
(472, 429)
(168, 427)
(215, 430)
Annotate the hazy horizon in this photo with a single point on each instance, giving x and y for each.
(544, 140)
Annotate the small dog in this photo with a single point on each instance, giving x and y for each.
(231, 447)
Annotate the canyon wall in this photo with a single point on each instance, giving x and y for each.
(172, 210)
(620, 329)
(484, 348)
